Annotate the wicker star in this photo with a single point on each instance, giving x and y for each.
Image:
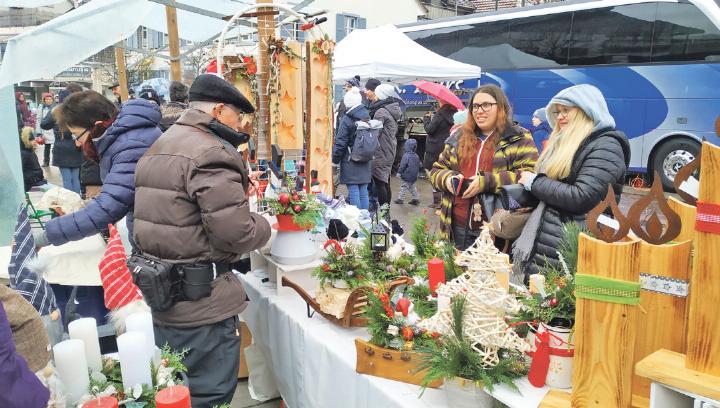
(486, 304)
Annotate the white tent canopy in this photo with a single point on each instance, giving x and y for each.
(386, 53)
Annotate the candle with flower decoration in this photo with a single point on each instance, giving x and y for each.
(436, 273)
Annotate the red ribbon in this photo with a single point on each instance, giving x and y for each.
(708, 217)
(336, 245)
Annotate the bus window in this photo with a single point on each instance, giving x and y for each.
(540, 41)
(684, 33)
(483, 44)
(612, 35)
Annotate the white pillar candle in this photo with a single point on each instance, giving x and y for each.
(142, 322)
(72, 368)
(85, 329)
(134, 362)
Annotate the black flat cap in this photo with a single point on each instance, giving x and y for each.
(116, 84)
(211, 88)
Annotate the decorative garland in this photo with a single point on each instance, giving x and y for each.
(277, 47)
(244, 68)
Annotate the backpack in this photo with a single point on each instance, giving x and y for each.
(366, 141)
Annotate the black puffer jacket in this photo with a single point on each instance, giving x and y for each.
(438, 129)
(65, 153)
(600, 160)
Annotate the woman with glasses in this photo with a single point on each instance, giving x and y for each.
(489, 151)
(115, 140)
(584, 154)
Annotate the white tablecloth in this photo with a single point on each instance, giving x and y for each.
(314, 360)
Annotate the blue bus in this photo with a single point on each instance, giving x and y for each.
(656, 61)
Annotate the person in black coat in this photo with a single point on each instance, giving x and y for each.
(584, 154)
(355, 175)
(32, 172)
(66, 155)
(437, 127)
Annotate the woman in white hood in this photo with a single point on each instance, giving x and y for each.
(584, 154)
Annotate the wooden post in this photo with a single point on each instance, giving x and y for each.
(174, 43)
(662, 319)
(703, 351)
(605, 332)
(122, 71)
(320, 141)
(266, 29)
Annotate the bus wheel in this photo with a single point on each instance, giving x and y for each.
(671, 156)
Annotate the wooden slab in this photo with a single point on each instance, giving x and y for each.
(703, 351)
(669, 368)
(556, 399)
(687, 217)
(320, 110)
(602, 374)
(653, 330)
(245, 341)
(286, 105)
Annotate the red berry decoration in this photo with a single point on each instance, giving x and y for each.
(297, 208)
(296, 197)
(403, 306)
(435, 335)
(325, 267)
(284, 199)
(554, 302)
(407, 333)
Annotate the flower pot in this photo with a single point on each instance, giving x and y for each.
(340, 284)
(561, 357)
(285, 223)
(462, 393)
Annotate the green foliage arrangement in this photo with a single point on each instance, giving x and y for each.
(343, 264)
(108, 382)
(304, 208)
(382, 315)
(455, 357)
(427, 246)
(419, 294)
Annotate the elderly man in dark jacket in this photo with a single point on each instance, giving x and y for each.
(192, 208)
(117, 141)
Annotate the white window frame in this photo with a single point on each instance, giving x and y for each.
(351, 23)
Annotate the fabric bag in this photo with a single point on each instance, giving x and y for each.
(367, 134)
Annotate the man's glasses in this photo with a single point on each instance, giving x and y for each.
(485, 106)
(76, 138)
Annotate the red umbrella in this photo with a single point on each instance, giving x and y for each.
(440, 92)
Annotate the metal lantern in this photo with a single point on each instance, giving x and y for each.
(379, 238)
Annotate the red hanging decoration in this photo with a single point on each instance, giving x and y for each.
(541, 359)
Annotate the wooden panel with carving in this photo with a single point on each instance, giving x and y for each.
(286, 101)
(320, 139)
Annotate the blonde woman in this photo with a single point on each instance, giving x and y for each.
(584, 154)
(32, 172)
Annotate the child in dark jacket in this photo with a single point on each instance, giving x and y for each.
(32, 172)
(409, 168)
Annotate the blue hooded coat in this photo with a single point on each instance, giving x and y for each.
(350, 172)
(135, 129)
(410, 163)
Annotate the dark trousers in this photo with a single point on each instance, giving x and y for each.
(213, 359)
(463, 236)
(46, 153)
(382, 191)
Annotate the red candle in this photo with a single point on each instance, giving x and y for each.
(102, 402)
(436, 273)
(177, 396)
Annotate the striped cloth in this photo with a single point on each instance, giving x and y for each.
(116, 279)
(32, 287)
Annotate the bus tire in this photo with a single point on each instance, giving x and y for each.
(671, 156)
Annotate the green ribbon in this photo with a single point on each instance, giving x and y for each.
(607, 290)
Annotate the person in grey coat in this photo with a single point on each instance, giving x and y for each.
(584, 154)
(355, 175)
(384, 107)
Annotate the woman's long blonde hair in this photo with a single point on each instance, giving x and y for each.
(556, 159)
(25, 138)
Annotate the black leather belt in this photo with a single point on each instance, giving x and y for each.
(221, 268)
